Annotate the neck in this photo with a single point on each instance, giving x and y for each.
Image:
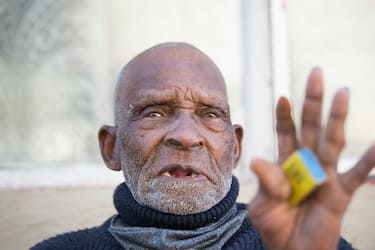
(134, 214)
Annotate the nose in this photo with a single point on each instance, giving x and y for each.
(184, 133)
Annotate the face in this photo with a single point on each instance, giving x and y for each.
(177, 145)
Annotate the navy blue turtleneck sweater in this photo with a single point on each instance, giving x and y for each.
(133, 214)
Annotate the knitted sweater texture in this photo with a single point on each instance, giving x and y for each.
(133, 214)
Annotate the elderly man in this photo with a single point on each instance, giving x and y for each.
(174, 142)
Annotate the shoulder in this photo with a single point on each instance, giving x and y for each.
(91, 238)
(344, 245)
(246, 237)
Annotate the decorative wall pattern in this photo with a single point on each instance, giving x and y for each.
(51, 81)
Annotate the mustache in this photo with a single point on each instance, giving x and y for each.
(164, 159)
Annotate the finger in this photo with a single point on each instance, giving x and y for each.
(353, 178)
(285, 129)
(272, 179)
(312, 110)
(333, 140)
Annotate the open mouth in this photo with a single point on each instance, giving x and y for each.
(180, 172)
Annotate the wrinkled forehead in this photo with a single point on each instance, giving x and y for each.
(179, 69)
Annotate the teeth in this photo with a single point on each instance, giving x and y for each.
(166, 173)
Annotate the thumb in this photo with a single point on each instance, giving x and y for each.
(272, 180)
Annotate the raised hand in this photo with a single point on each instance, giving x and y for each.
(315, 223)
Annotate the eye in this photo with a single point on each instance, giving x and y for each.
(211, 115)
(153, 114)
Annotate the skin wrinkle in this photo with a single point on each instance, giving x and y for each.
(169, 50)
(196, 84)
(175, 200)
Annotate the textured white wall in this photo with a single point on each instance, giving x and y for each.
(339, 36)
(53, 81)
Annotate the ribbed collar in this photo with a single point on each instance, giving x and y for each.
(134, 214)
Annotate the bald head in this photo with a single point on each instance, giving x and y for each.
(173, 139)
(178, 63)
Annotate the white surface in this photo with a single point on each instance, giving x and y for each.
(61, 176)
(258, 130)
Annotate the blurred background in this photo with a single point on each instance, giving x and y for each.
(59, 62)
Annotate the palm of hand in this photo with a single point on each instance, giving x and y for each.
(315, 223)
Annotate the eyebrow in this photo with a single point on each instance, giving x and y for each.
(155, 99)
(168, 97)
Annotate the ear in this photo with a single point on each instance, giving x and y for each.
(108, 147)
(238, 144)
